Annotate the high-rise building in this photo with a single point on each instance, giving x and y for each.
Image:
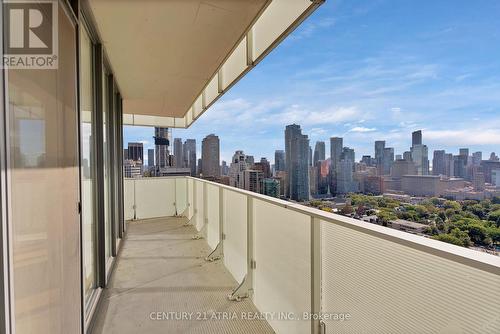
(387, 160)
(310, 159)
(476, 158)
(264, 166)
(296, 153)
(348, 154)
(345, 182)
(319, 152)
(279, 161)
(210, 155)
(379, 155)
(416, 138)
(189, 155)
(439, 163)
(449, 165)
(162, 143)
(151, 157)
(252, 180)
(336, 146)
(403, 167)
(178, 156)
(236, 168)
(420, 156)
(495, 177)
(224, 168)
(271, 187)
(250, 160)
(460, 166)
(136, 152)
(464, 152)
(407, 155)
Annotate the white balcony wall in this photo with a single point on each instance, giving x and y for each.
(199, 215)
(128, 198)
(389, 287)
(181, 196)
(387, 281)
(212, 214)
(190, 195)
(235, 229)
(152, 197)
(283, 255)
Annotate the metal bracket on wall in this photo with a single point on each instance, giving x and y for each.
(216, 254)
(201, 233)
(244, 290)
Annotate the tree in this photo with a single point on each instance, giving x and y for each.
(452, 205)
(346, 210)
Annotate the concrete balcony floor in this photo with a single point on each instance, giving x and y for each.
(162, 269)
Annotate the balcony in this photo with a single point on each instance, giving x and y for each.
(192, 242)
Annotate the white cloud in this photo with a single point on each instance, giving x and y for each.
(362, 129)
(331, 115)
(463, 137)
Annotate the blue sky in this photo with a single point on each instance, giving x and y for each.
(366, 71)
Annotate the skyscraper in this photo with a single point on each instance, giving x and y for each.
(136, 152)
(162, 143)
(151, 157)
(416, 138)
(336, 146)
(296, 153)
(345, 182)
(210, 155)
(178, 158)
(387, 160)
(419, 153)
(379, 155)
(189, 155)
(420, 156)
(236, 168)
(438, 163)
(279, 160)
(319, 152)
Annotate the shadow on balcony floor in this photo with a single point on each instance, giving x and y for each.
(161, 269)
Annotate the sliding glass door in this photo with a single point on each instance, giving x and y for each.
(43, 173)
(88, 160)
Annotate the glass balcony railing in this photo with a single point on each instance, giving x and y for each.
(309, 271)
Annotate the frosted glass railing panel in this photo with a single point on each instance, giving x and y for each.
(198, 105)
(282, 275)
(190, 190)
(180, 195)
(278, 16)
(235, 228)
(211, 91)
(128, 199)
(387, 287)
(154, 197)
(198, 215)
(235, 65)
(212, 215)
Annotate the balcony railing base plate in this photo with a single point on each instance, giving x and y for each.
(244, 290)
(216, 253)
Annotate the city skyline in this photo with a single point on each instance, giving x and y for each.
(442, 77)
